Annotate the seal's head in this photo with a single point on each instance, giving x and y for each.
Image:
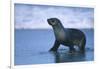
(53, 21)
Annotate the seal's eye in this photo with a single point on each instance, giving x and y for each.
(52, 21)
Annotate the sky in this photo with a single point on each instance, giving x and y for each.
(28, 16)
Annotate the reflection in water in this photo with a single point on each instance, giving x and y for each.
(68, 57)
(31, 47)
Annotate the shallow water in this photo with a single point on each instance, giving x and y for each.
(31, 47)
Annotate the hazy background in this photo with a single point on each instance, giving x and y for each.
(35, 16)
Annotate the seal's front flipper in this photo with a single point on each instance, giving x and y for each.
(55, 47)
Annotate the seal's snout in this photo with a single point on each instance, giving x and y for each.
(48, 20)
(52, 21)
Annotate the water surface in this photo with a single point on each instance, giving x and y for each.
(31, 47)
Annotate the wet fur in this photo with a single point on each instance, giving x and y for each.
(67, 37)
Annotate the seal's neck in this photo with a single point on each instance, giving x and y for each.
(58, 27)
(59, 31)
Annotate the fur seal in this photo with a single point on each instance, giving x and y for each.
(68, 37)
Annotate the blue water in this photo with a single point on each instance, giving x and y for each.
(31, 47)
